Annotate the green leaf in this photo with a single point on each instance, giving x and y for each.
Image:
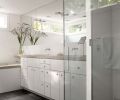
(36, 39)
(19, 39)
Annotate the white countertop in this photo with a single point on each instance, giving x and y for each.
(10, 65)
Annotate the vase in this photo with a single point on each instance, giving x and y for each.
(20, 50)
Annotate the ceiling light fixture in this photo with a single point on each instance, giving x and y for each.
(59, 13)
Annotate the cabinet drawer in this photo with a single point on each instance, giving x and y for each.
(47, 76)
(46, 66)
(47, 89)
(57, 65)
(77, 67)
(42, 63)
(38, 63)
(31, 62)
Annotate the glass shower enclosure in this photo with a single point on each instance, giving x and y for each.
(105, 23)
(75, 49)
(92, 50)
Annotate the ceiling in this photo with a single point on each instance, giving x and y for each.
(49, 11)
(21, 6)
(74, 9)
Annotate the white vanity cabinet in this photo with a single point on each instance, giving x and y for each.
(47, 78)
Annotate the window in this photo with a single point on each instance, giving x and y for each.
(77, 28)
(37, 25)
(47, 26)
(3, 21)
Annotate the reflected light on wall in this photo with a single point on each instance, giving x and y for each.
(3, 21)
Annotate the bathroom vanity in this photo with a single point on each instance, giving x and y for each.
(52, 76)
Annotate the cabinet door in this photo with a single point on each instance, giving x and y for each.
(36, 81)
(78, 87)
(42, 88)
(55, 85)
(30, 78)
(47, 76)
(24, 81)
(47, 89)
(61, 86)
(42, 75)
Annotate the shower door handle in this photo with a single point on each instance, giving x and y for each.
(90, 42)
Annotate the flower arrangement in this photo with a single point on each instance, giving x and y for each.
(23, 31)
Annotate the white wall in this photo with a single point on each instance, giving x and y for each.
(8, 43)
(9, 79)
(53, 41)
